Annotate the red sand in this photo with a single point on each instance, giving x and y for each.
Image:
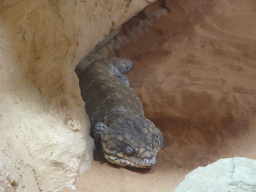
(196, 76)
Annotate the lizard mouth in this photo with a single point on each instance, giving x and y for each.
(130, 161)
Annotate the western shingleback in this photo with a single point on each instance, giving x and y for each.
(116, 115)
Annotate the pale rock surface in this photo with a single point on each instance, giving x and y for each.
(232, 174)
(44, 130)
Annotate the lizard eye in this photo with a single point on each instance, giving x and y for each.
(129, 149)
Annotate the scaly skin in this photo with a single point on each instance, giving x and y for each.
(116, 114)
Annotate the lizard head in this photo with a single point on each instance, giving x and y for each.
(131, 142)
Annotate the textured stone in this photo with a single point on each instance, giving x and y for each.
(234, 175)
(44, 130)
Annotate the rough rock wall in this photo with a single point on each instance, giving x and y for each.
(44, 139)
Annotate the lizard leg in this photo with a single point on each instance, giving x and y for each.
(97, 131)
(124, 79)
(122, 65)
(160, 136)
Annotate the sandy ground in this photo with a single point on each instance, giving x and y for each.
(196, 76)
